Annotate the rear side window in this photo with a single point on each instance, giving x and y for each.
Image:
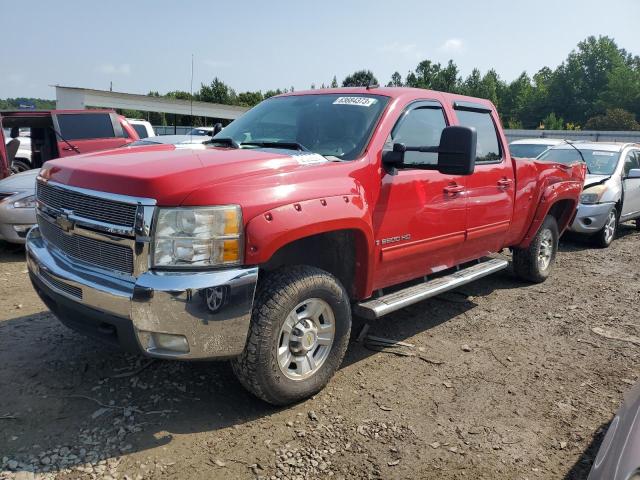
(82, 126)
(420, 127)
(488, 149)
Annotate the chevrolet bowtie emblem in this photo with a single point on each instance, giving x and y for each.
(64, 222)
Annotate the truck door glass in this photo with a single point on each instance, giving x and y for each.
(488, 149)
(85, 126)
(420, 127)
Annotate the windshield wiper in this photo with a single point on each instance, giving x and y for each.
(285, 145)
(580, 153)
(226, 141)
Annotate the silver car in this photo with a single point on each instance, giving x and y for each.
(619, 457)
(17, 206)
(611, 193)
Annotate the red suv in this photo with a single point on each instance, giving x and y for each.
(58, 133)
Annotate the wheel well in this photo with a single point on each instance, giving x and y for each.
(333, 252)
(562, 211)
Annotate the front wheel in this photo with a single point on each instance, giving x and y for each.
(298, 336)
(605, 237)
(535, 262)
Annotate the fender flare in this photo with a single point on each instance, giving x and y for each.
(270, 231)
(550, 196)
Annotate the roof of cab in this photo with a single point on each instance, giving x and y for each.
(394, 92)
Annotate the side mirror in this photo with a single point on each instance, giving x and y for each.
(457, 150)
(634, 173)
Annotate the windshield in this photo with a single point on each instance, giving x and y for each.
(332, 125)
(599, 162)
(524, 150)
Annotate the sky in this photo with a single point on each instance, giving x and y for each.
(147, 45)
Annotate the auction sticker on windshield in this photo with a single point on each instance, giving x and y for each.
(360, 101)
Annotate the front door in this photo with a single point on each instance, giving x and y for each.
(4, 163)
(420, 217)
(631, 186)
(490, 190)
(87, 132)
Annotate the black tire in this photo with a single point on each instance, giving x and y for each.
(20, 165)
(604, 237)
(637, 223)
(257, 368)
(526, 262)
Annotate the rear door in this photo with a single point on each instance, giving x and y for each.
(84, 132)
(490, 189)
(4, 165)
(631, 204)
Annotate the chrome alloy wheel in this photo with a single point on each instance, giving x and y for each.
(545, 252)
(305, 339)
(610, 227)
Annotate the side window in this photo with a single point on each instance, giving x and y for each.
(488, 149)
(83, 126)
(420, 127)
(631, 161)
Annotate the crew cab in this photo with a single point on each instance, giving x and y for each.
(311, 207)
(61, 133)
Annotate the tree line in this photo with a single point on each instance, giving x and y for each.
(597, 87)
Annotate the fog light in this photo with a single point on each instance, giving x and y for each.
(168, 341)
(22, 228)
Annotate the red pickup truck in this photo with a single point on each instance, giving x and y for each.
(312, 206)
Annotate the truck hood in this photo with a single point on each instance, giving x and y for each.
(169, 174)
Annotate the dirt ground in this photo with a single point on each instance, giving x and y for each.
(505, 381)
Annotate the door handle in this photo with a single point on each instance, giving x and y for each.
(72, 148)
(504, 183)
(453, 189)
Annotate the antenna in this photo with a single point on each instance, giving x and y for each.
(191, 97)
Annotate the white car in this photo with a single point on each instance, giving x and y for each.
(142, 128)
(532, 147)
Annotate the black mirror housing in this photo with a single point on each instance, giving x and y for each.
(394, 158)
(457, 150)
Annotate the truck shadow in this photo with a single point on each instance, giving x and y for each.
(572, 242)
(79, 394)
(10, 253)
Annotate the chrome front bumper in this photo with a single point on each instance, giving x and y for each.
(211, 309)
(591, 218)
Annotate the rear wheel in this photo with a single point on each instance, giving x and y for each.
(605, 237)
(298, 336)
(534, 263)
(637, 223)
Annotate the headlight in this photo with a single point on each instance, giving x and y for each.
(592, 195)
(198, 237)
(26, 202)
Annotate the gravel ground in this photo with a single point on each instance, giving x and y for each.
(504, 380)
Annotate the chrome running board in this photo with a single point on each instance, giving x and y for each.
(377, 307)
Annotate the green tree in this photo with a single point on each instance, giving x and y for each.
(613, 119)
(396, 80)
(217, 92)
(552, 122)
(249, 99)
(360, 78)
(334, 82)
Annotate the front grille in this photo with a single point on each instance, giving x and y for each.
(88, 206)
(60, 285)
(96, 252)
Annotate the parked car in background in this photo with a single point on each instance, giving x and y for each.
(142, 127)
(17, 192)
(532, 147)
(619, 455)
(611, 192)
(64, 133)
(327, 196)
(17, 206)
(201, 131)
